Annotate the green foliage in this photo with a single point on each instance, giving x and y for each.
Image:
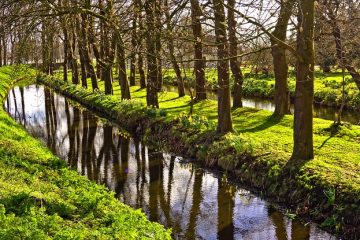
(330, 195)
(151, 112)
(195, 121)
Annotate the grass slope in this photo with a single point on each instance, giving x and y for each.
(327, 188)
(41, 198)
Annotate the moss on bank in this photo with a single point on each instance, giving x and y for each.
(327, 188)
(41, 198)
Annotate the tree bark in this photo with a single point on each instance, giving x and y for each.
(151, 89)
(234, 63)
(66, 54)
(199, 64)
(140, 59)
(88, 62)
(304, 92)
(158, 31)
(5, 50)
(278, 52)
(224, 105)
(124, 85)
(1, 52)
(108, 44)
(134, 46)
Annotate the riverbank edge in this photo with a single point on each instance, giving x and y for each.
(69, 216)
(254, 171)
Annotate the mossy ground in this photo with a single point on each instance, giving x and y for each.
(326, 188)
(41, 198)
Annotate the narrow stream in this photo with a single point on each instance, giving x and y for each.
(196, 203)
(323, 112)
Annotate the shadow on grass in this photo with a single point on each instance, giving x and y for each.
(269, 122)
(138, 90)
(171, 99)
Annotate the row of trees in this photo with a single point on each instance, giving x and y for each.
(147, 35)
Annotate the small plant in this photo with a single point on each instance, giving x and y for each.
(151, 112)
(195, 121)
(162, 113)
(290, 215)
(330, 195)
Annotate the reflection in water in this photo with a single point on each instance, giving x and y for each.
(195, 203)
(323, 112)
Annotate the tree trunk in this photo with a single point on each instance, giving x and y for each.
(66, 54)
(5, 51)
(74, 64)
(151, 89)
(133, 47)
(1, 52)
(304, 92)
(81, 50)
(199, 65)
(278, 52)
(158, 29)
(170, 42)
(124, 85)
(87, 59)
(140, 45)
(108, 45)
(224, 105)
(234, 63)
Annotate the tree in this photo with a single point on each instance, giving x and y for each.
(171, 47)
(304, 91)
(124, 85)
(134, 45)
(140, 60)
(330, 10)
(199, 65)
(151, 89)
(233, 51)
(224, 105)
(278, 52)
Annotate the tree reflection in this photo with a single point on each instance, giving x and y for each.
(279, 223)
(225, 210)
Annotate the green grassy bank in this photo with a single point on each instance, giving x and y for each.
(325, 189)
(41, 198)
(328, 86)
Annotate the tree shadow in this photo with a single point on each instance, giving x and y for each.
(171, 99)
(333, 130)
(269, 122)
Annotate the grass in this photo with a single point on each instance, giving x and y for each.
(41, 198)
(327, 88)
(258, 152)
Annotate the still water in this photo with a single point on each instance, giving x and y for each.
(323, 112)
(195, 203)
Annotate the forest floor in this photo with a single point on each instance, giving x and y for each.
(41, 198)
(326, 189)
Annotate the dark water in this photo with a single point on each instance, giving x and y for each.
(196, 203)
(323, 112)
